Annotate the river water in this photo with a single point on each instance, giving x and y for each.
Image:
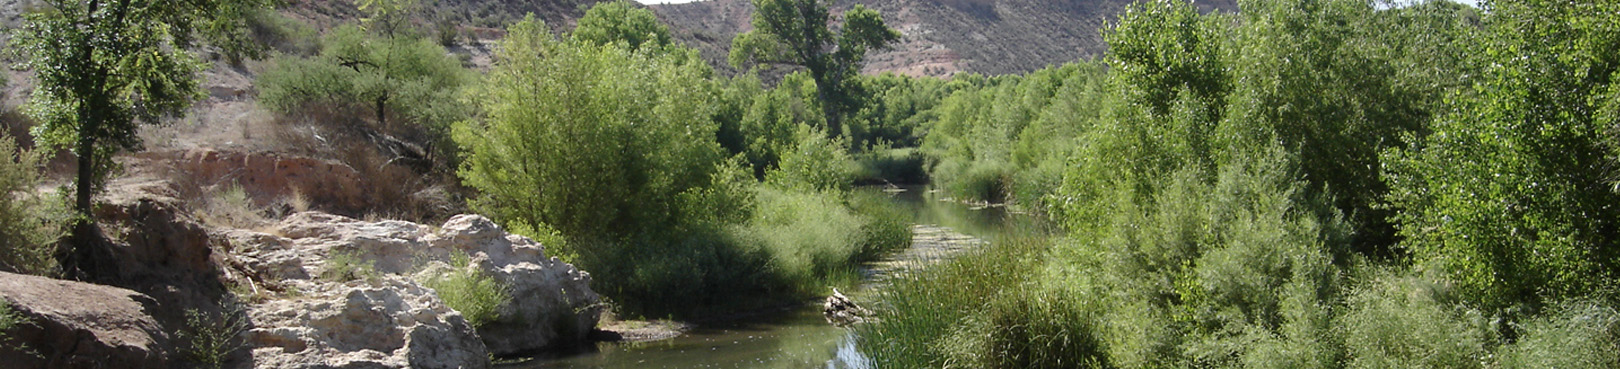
(800, 338)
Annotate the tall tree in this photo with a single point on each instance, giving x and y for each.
(102, 66)
(795, 32)
(621, 21)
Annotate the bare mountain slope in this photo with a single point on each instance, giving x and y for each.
(941, 36)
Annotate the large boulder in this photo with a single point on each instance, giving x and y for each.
(389, 322)
(80, 325)
(552, 303)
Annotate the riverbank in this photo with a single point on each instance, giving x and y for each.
(793, 336)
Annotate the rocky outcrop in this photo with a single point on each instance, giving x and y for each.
(80, 325)
(552, 303)
(388, 323)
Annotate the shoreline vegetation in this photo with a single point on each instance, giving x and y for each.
(1298, 184)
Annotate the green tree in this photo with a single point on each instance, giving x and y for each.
(621, 21)
(795, 32)
(1512, 194)
(101, 67)
(596, 141)
(408, 78)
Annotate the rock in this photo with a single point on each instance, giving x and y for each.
(80, 325)
(841, 311)
(389, 323)
(552, 303)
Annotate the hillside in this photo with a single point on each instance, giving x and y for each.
(941, 37)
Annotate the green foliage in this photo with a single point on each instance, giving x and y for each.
(816, 163)
(621, 21)
(30, 223)
(477, 295)
(210, 339)
(393, 79)
(884, 227)
(8, 318)
(1575, 334)
(1008, 139)
(796, 32)
(809, 234)
(891, 166)
(1511, 195)
(922, 307)
(344, 266)
(100, 70)
(1410, 321)
(579, 136)
(770, 125)
(281, 33)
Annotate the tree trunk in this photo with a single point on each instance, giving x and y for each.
(79, 262)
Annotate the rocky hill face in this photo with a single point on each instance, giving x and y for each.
(942, 37)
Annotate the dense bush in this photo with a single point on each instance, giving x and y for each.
(404, 85)
(1513, 194)
(639, 161)
(1233, 183)
(30, 223)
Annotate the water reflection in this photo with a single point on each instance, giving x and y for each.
(799, 338)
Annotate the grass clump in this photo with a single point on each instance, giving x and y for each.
(344, 266)
(919, 309)
(231, 207)
(477, 295)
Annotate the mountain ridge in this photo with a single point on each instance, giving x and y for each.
(941, 37)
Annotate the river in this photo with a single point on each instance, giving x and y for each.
(800, 338)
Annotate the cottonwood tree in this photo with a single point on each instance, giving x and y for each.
(795, 32)
(103, 66)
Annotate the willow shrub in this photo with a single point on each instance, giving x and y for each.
(30, 223)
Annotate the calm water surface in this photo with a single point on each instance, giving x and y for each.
(799, 338)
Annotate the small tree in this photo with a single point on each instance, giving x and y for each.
(621, 21)
(102, 66)
(795, 32)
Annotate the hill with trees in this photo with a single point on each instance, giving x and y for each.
(940, 37)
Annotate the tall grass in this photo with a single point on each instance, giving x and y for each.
(478, 296)
(920, 308)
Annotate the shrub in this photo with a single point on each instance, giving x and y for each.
(885, 225)
(892, 166)
(1575, 334)
(281, 33)
(1401, 321)
(815, 163)
(478, 296)
(344, 266)
(210, 340)
(30, 223)
(809, 236)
